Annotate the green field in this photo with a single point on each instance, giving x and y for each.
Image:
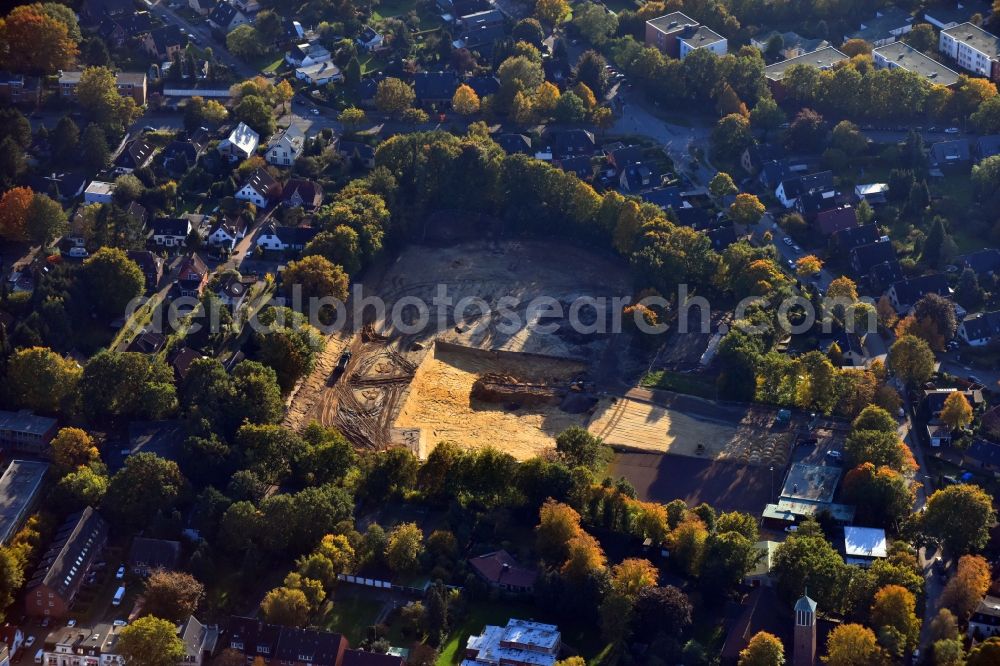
(681, 383)
(350, 612)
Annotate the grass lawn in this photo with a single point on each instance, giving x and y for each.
(681, 383)
(498, 613)
(618, 5)
(372, 63)
(390, 8)
(350, 614)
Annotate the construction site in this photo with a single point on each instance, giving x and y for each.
(469, 375)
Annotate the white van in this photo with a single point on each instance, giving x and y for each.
(119, 595)
(78, 252)
(38, 656)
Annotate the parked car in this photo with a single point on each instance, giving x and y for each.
(951, 130)
(120, 573)
(787, 241)
(836, 456)
(120, 623)
(29, 642)
(71, 623)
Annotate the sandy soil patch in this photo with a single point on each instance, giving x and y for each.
(439, 404)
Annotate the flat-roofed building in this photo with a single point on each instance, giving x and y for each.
(864, 545)
(24, 431)
(662, 32)
(19, 491)
(973, 49)
(824, 58)
(702, 37)
(520, 643)
(904, 56)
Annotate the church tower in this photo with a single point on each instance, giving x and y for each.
(805, 631)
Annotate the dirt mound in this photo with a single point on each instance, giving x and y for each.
(506, 389)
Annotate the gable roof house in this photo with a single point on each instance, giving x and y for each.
(569, 143)
(904, 294)
(579, 166)
(955, 154)
(241, 143)
(985, 620)
(810, 204)
(199, 641)
(370, 40)
(202, 7)
(226, 17)
(845, 240)
(980, 329)
(286, 645)
(163, 42)
(792, 187)
(259, 189)
(876, 263)
(147, 555)
(227, 232)
(319, 73)
(277, 238)
(889, 24)
(982, 455)
(231, 290)
(514, 143)
(305, 54)
(285, 147)
(150, 264)
(984, 263)
(637, 178)
(170, 232)
(500, 570)
(180, 156)
(358, 152)
(987, 146)
(300, 193)
(92, 12)
(354, 657)
(192, 274)
(933, 401)
(435, 88)
(61, 571)
(135, 154)
(119, 29)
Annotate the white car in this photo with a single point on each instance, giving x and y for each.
(71, 623)
(787, 241)
(315, 112)
(120, 623)
(835, 455)
(951, 130)
(30, 641)
(120, 573)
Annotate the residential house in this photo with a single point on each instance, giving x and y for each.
(226, 17)
(241, 143)
(514, 143)
(62, 569)
(287, 645)
(307, 53)
(701, 37)
(116, 31)
(358, 153)
(722, 237)
(92, 12)
(813, 202)
(874, 193)
(987, 146)
(370, 40)
(480, 31)
(982, 456)
(760, 575)
(129, 84)
(285, 147)
(851, 346)
(664, 197)
(19, 89)
(99, 192)
(889, 24)
(151, 266)
(20, 490)
(435, 88)
(202, 7)
(580, 166)
(864, 545)
(361, 658)
(876, 262)
(932, 403)
(284, 239)
(171, 232)
(792, 44)
(180, 156)
(248, 7)
(147, 342)
(663, 32)
(985, 620)
(822, 59)
(792, 187)
(483, 85)
(501, 571)
(192, 275)
(984, 263)
(938, 434)
(845, 240)
(638, 177)
(319, 74)
(300, 193)
(135, 154)
(570, 143)
(62, 186)
(695, 217)
(181, 359)
(81, 646)
(200, 641)
(903, 56)
(260, 189)
(226, 232)
(831, 221)
(980, 329)
(949, 14)
(953, 155)
(520, 642)
(147, 555)
(231, 290)
(456, 8)
(973, 49)
(163, 42)
(904, 294)
(773, 172)
(755, 156)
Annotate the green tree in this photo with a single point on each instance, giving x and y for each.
(150, 641)
(40, 379)
(46, 219)
(394, 96)
(766, 115)
(79, 489)
(113, 280)
(72, 448)
(922, 37)
(578, 448)
(722, 185)
(256, 112)
(595, 22)
(340, 246)
(764, 649)
(746, 210)
(285, 606)
(591, 70)
(911, 359)
(731, 136)
(807, 560)
(172, 595)
(406, 544)
(145, 486)
(94, 147)
(316, 277)
(65, 139)
(98, 96)
(960, 516)
(11, 577)
(244, 42)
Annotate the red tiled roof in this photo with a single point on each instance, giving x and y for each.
(500, 568)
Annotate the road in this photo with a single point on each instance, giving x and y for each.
(204, 37)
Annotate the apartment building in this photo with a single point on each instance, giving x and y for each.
(973, 49)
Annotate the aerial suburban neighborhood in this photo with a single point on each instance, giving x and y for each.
(499, 333)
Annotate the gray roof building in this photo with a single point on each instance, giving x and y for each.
(821, 59)
(19, 488)
(904, 56)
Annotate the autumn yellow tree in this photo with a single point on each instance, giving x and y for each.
(522, 109)
(764, 649)
(956, 412)
(967, 587)
(552, 12)
(687, 544)
(557, 524)
(842, 288)
(586, 95)
(465, 100)
(747, 209)
(584, 557)
(34, 42)
(72, 448)
(632, 576)
(546, 98)
(895, 608)
(853, 645)
(808, 265)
